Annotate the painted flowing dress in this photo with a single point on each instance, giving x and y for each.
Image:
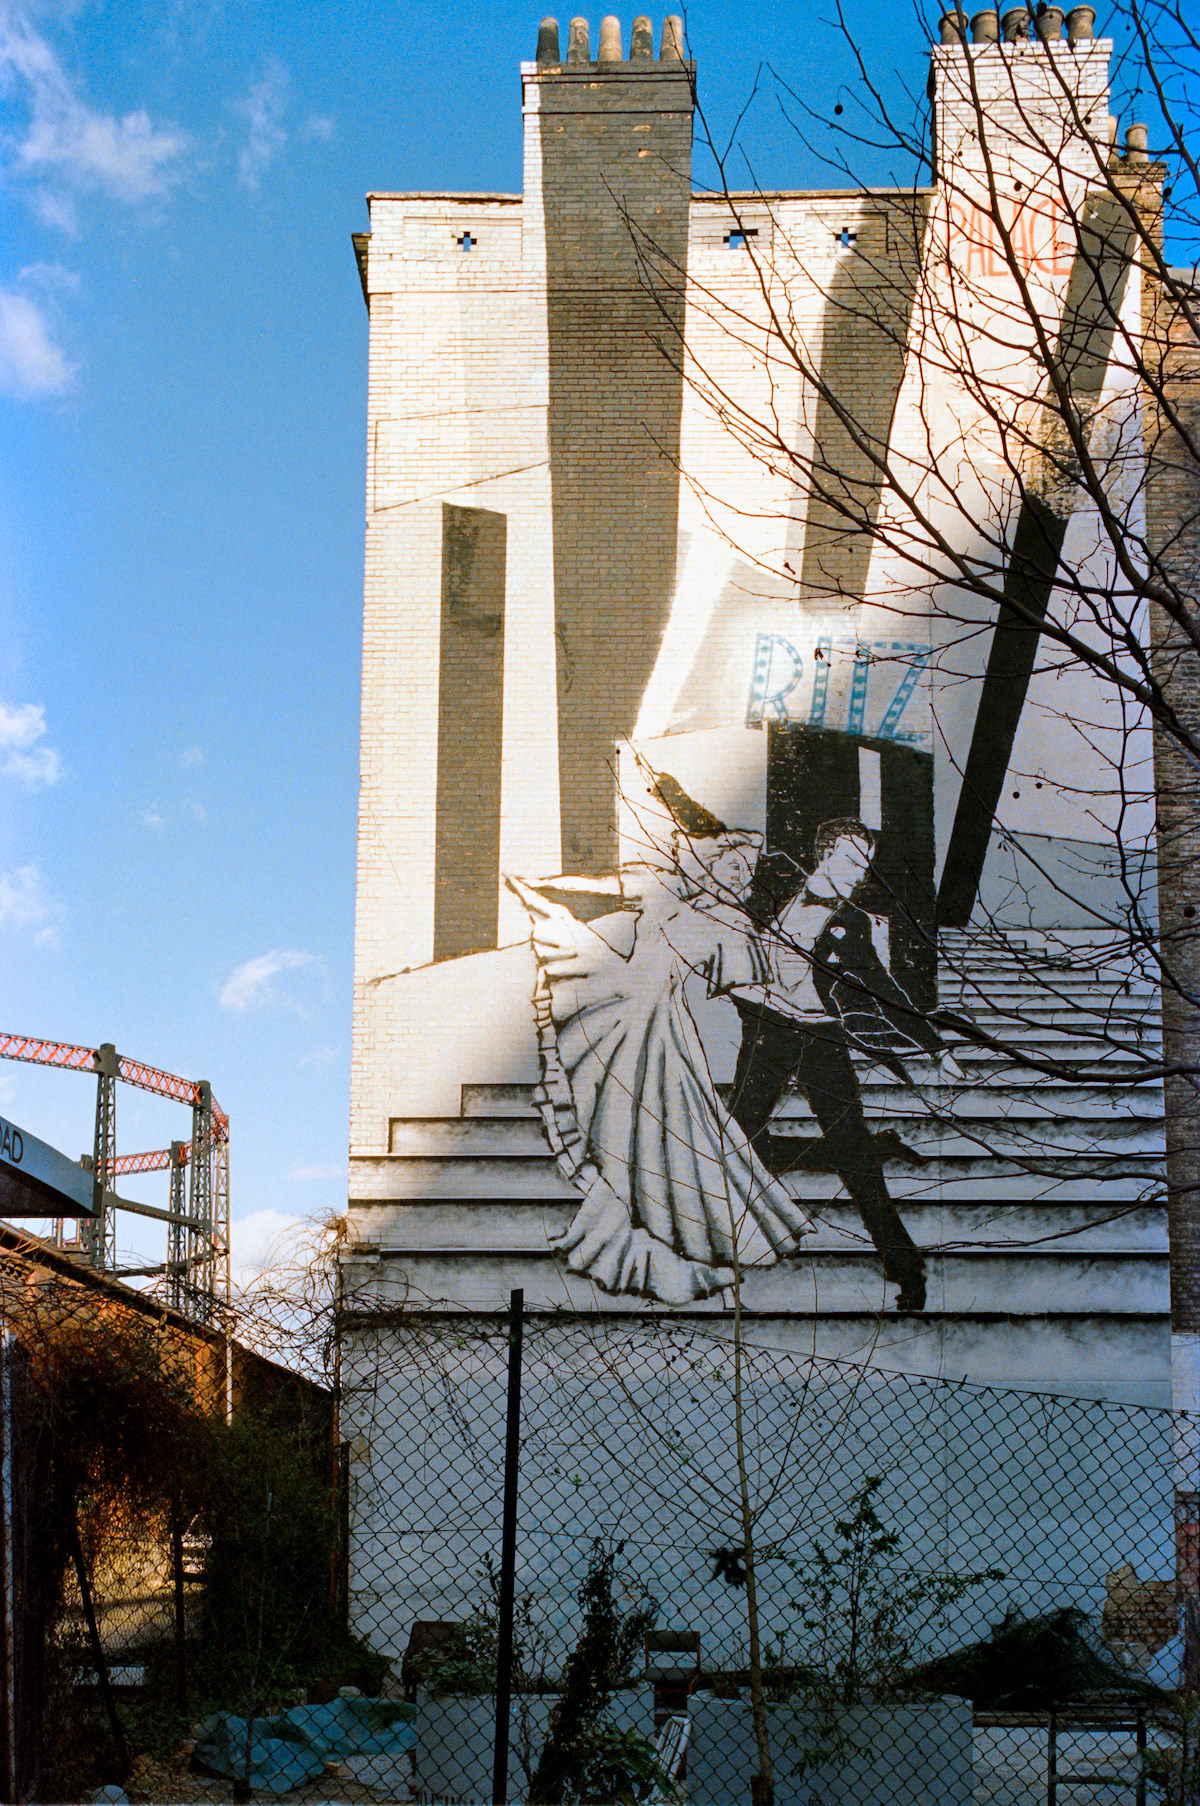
(672, 1189)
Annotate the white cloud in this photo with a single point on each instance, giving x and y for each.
(57, 210)
(320, 1056)
(50, 277)
(22, 725)
(126, 157)
(191, 755)
(319, 126)
(30, 361)
(263, 109)
(299, 1173)
(153, 818)
(37, 770)
(249, 985)
(21, 757)
(258, 1241)
(199, 812)
(26, 905)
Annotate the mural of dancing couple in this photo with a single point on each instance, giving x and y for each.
(802, 931)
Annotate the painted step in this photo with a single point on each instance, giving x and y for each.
(398, 1176)
(989, 1283)
(951, 1228)
(1144, 1096)
(1070, 1112)
(1001, 1137)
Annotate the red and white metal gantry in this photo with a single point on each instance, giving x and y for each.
(197, 1217)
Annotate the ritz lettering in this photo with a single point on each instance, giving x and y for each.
(843, 683)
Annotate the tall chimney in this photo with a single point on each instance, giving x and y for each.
(613, 148)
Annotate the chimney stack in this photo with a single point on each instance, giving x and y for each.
(608, 174)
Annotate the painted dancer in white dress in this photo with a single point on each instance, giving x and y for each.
(673, 1191)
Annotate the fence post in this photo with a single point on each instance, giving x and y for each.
(180, 1599)
(508, 1548)
(98, 1657)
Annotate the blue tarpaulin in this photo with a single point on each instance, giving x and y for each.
(294, 1747)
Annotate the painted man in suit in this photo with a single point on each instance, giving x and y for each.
(828, 992)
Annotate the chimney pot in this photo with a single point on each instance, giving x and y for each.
(985, 27)
(672, 40)
(1015, 24)
(1137, 139)
(641, 39)
(950, 28)
(1049, 23)
(1081, 24)
(610, 40)
(579, 49)
(547, 50)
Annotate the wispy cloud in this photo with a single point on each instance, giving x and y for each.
(52, 278)
(249, 986)
(191, 755)
(27, 906)
(259, 1241)
(154, 819)
(300, 1173)
(31, 363)
(21, 755)
(263, 109)
(66, 140)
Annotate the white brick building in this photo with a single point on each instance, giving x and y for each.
(625, 524)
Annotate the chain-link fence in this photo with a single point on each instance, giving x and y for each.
(172, 1513)
(957, 1594)
(729, 1563)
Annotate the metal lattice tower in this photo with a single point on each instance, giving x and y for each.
(196, 1270)
(200, 1239)
(176, 1240)
(98, 1237)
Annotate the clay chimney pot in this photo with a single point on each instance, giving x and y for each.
(547, 50)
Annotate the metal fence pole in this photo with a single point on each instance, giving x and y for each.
(508, 1548)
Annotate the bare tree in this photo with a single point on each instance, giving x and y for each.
(973, 432)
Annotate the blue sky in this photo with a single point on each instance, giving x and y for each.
(182, 403)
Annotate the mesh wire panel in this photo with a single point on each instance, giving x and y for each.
(961, 1594)
(220, 1572)
(171, 1510)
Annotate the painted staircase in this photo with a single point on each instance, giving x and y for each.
(1037, 1194)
